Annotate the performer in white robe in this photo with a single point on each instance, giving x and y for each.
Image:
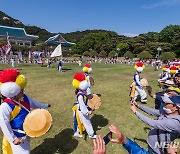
(13, 111)
(139, 88)
(80, 108)
(87, 70)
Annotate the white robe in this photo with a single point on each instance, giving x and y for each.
(5, 111)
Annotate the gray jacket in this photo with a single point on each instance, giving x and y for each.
(164, 130)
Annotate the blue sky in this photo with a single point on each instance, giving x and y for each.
(127, 17)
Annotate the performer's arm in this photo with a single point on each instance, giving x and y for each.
(164, 124)
(5, 112)
(83, 107)
(36, 104)
(149, 110)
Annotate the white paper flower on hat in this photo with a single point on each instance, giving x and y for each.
(10, 89)
(83, 85)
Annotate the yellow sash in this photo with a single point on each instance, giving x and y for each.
(133, 88)
(6, 147)
(80, 124)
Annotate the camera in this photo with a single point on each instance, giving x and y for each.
(106, 138)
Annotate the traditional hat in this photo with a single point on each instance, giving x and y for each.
(173, 69)
(87, 68)
(80, 81)
(139, 67)
(11, 82)
(165, 68)
(37, 122)
(171, 100)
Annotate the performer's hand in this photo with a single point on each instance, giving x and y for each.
(133, 107)
(120, 138)
(90, 112)
(135, 103)
(49, 105)
(18, 141)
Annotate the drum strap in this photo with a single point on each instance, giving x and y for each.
(21, 105)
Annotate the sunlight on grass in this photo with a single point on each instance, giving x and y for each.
(47, 85)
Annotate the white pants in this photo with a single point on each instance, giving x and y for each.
(141, 92)
(87, 123)
(23, 148)
(60, 69)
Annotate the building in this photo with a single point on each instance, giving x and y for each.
(58, 39)
(17, 35)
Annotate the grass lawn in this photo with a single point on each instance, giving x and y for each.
(47, 85)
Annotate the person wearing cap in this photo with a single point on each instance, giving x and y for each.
(138, 86)
(171, 91)
(81, 110)
(166, 128)
(131, 146)
(87, 70)
(13, 111)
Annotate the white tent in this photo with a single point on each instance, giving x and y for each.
(57, 51)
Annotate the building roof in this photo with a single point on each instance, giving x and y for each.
(58, 39)
(15, 32)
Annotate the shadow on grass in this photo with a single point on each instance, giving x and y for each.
(62, 143)
(146, 129)
(141, 140)
(98, 121)
(66, 69)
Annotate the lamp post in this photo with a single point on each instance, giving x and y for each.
(118, 51)
(158, 49)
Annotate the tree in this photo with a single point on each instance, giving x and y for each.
(144, 54)
(128, 54)
(86, 53)
(102, 54)
(112, 54)
(93, 53)
(168, 56)
(122, 47)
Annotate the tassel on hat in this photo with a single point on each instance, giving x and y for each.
(87, 68)
(80, 81)
(11, 82)
(139, 67)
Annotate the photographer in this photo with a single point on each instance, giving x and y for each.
(166, 128)
(128, 144)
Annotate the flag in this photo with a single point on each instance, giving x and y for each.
(57, 51)
(3, 49)
(8, 45)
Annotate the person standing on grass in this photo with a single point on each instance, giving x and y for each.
(60, 66)
(138, 86)
(87, 70)
(80, 109)
(13, 111)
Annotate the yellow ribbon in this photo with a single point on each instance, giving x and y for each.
(6, 147)
(80, 124)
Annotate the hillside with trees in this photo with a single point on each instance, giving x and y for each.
(103, 42)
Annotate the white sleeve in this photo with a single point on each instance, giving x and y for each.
(5, 112)
(88, 91)
(35, 104)
(83, 107)
(137, 80)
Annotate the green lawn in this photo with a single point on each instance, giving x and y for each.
(47, 85)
